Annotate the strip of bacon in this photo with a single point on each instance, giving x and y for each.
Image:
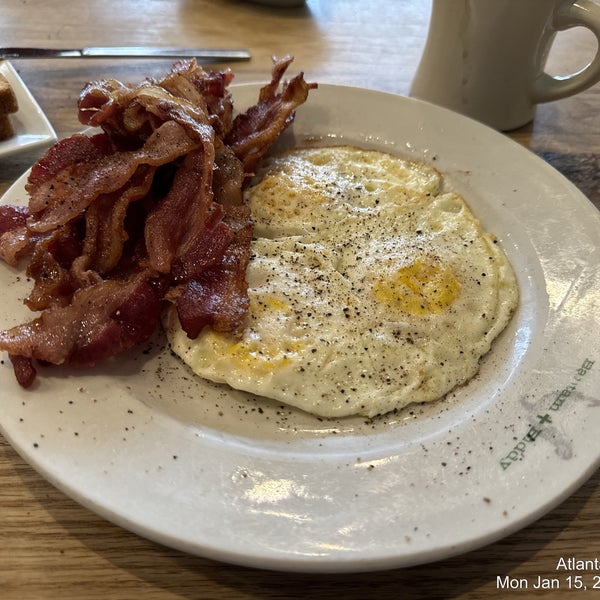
(24, 370)
(74, 188)
(50, 267)
(99, 101)
(183, 211)
(12, 217)
(253, 132)
(146, 107)
(106, 232)
(125, 112)
(149, 210)
(212, 88)
(218, 297)
(76, 149)
(101, 321)
(14, 235)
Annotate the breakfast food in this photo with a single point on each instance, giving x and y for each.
(342, 281)
(150, 210)
(8, 105)
(369, 288)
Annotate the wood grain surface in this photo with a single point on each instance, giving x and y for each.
(50, 547)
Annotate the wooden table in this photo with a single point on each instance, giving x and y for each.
(50, 547)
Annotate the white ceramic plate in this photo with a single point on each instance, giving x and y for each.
(32, 128)
(222, 474)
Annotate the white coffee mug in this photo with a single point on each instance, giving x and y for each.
(486, 58)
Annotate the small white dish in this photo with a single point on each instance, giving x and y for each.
(32, 128)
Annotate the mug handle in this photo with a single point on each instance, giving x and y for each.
(571, 13)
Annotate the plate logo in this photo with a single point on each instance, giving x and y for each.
(557, 401)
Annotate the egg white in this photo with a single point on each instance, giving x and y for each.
(369, 288)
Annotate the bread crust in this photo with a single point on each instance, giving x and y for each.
(8, 100)
(7, 129)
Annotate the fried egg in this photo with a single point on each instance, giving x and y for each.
(370, 288)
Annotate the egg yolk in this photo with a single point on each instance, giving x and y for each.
(419, 289)
(263, 358)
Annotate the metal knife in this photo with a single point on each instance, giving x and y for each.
(201, 54)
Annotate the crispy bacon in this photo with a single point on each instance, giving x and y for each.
(150, 210)
(185, 94)
(55, 201)
(24, 370)
(106, 233)
(100, 321)
(65, 153)
(189, 82)
(254, 131)
(99, 101)
(12, 217)
(218, 297)
(181, 214)
(228, 176)
(15, 239)
(50, 267)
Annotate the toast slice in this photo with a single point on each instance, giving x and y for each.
(8, 100)
(7, 129)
